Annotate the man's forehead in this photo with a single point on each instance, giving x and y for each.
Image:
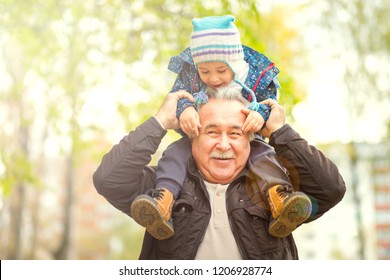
(220, 111)
(222, 125)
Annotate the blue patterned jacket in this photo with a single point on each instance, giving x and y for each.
(262, 78)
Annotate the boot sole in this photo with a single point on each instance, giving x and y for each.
(145, 213)
(296, 210)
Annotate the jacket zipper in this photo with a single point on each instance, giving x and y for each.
(261, 75)
(235, 234)
(201, 183)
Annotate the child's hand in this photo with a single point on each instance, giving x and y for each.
(254, 121)
(189, 121)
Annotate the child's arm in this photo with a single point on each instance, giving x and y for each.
(269, 92)
(188, 80)
(258, 113)
(189, 121)
(186, 113)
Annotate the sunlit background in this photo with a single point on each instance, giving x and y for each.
(76, 76)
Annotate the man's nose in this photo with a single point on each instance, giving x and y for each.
(224, 142)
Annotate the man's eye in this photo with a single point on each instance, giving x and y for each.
(236, 134)
(212, 133)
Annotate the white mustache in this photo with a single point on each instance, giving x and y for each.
(222, 155)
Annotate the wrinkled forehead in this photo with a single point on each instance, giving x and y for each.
(222, 112)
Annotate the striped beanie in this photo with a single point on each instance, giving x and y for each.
(216, 38)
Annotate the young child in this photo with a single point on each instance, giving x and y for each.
(216, 58)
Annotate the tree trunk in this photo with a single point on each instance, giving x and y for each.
(16, 225)
(62, 252)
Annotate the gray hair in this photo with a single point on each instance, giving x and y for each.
(232, 93)
(228, 93)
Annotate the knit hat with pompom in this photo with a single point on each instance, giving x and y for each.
(216, 38)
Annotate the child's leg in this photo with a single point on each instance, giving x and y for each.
(154, 211)
(289, 209)
(172, 167)
(266, 168)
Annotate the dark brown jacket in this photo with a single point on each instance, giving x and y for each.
(124, 174)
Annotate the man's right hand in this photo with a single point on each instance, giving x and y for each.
(166, 115)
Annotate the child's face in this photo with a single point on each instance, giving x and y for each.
(215, 74)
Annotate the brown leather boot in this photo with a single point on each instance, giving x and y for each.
(289, 209)
(154, 213)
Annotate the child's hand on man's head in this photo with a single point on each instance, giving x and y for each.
(254, 121)
(189, 121)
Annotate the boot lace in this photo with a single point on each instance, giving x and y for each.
(282, 192)
(157, 194)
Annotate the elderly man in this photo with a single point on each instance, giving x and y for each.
(219, 213)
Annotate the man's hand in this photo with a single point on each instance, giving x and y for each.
(166, 115)
(189, 121)
(276, 119)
